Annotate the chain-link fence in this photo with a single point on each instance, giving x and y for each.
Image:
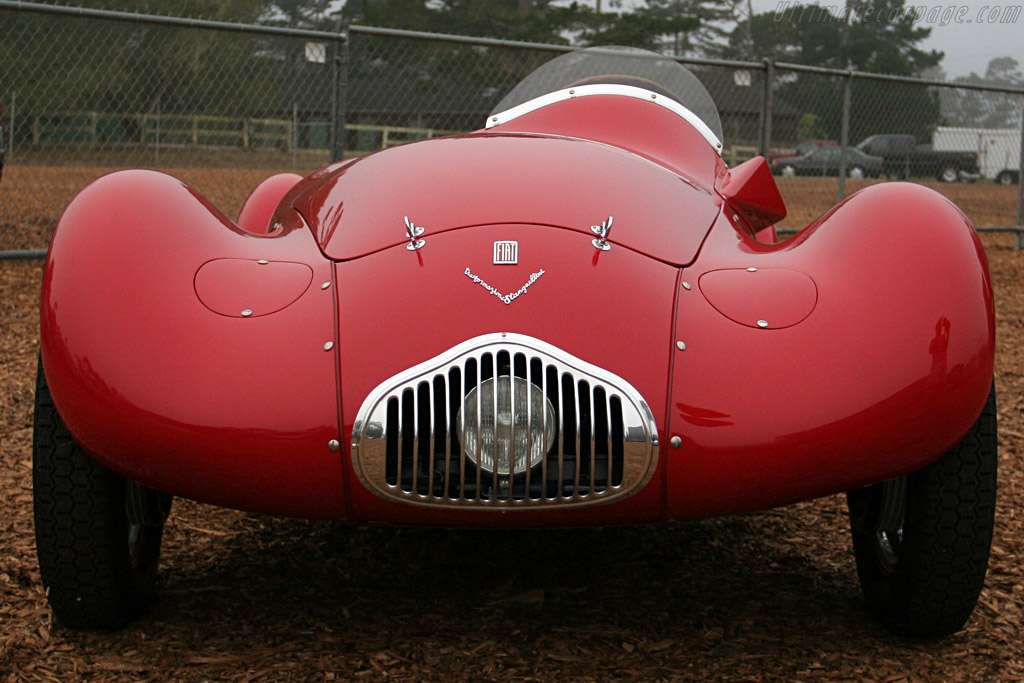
(221, 106)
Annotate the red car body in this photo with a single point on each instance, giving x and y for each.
(877, 356)
(244, 364)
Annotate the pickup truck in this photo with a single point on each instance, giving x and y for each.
(904, 158)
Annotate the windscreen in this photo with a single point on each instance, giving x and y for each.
(618, 65)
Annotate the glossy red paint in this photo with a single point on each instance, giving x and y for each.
(750, 190)
(232, 411)
(259, 206)
(765, 298)
(887, 373)
(612, 309)
(450, 183)
(241, 288)
(877, 355)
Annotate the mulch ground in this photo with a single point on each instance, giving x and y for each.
(764, 597)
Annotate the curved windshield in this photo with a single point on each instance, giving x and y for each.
(621, 66)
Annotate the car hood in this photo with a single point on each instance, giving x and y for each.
(446, 184)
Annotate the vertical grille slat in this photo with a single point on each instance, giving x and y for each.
(616, 440)
(426, 450)
(415, 424)
(393, 448)
(543, 492)
(578, 431)
(435, 433)
(601, 444)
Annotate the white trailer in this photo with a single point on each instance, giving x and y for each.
(998, 149)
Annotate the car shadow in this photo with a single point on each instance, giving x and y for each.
(712, 579)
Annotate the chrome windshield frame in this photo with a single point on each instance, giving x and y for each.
(608, 89)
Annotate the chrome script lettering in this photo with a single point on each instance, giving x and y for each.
(505, 298)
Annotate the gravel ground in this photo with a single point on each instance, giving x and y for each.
(764, 597)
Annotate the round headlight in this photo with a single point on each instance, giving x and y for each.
(507, 439)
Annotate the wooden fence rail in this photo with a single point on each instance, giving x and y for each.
(204, 131)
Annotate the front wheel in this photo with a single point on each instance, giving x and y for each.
(97, 533)
(922, 541)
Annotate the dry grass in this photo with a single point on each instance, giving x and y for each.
(765, 597)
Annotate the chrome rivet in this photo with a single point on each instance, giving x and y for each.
(686, 286)
(654, 96)
(751, 270)
(681, 345)
(572, 92)
(494, 119)
(328, 346)
(676, 442)
(334, 445)
(762, 323)
(325, 285)
(263, 262)
(246, 313)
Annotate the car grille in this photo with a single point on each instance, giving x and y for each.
(407, 441)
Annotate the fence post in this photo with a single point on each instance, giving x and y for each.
(294, 142)
(765, 140)
(1020, 184)
(844, 133)
(10, 141)
(339, 91)
(157, 148)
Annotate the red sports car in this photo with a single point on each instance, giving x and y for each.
(575, 316)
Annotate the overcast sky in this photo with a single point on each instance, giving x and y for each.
(970, 32)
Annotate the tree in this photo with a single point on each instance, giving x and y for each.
(866, 35)
(691, 27)
(980, 109)
(641, 28)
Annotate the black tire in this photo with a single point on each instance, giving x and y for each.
(949, 173)
(97, 560)
(922, 541)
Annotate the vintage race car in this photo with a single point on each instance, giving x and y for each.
(576, 316)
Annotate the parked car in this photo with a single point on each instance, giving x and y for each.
(805, 147)
(577, 316)
(904, 158)
(825, 161)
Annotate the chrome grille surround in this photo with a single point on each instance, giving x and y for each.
(405, 446)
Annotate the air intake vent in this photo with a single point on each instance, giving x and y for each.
(504, 421)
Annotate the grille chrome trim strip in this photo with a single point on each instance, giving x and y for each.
(627, 468)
